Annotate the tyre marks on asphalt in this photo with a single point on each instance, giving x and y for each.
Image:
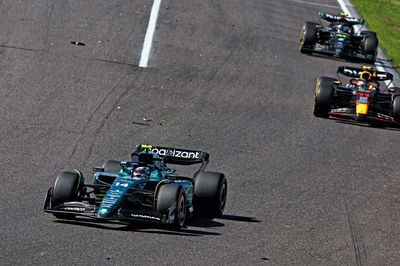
(102, 112)
(21, 48)
(97, 120)
(356, 237)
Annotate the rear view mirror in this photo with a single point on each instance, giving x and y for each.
(98, 169)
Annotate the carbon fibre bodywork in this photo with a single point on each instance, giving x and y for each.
(370, 103)
(122, 196)
(339, 38)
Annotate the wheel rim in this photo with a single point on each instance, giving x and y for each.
(316, 91)
(222, 196)
(181, 210)
(301, 44)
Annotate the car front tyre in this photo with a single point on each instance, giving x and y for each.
(172, 196)
(308, 37)
(370, 48)
(66, 188)
(323, 96)
(396, 108)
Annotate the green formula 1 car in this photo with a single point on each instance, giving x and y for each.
(144, 188)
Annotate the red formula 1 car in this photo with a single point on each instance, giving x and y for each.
(362, 98)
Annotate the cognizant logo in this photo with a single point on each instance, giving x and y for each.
(176, 153)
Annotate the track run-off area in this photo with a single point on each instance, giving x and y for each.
(224, 77)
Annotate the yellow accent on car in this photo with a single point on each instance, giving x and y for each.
(366, 67)
(158, 184)
(337, 82)
(146, 146)
(316, 88)
(361, 108)
(80, 178)
(366, 72)
(301, 38)
(392, 89)
(78, 172)
(343, 14)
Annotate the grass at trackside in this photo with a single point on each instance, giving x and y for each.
(383, 17)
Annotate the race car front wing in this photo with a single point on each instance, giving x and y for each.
(88, 210)
(349, 113)
(326, 51)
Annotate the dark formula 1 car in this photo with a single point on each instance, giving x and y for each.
(361, 98)
(143, 188)
(339, 38)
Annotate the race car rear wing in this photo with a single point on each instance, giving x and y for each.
(176, 155)
(371, 74)
(341, 18)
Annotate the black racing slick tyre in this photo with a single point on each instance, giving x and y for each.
(112, 166)
(396, 108)
(308, 37)
(171, 201)
(210, 190)
(368, 33)
(66, 188)
(323, 97)
(370, 48)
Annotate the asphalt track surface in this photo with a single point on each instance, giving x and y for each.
(224, 77)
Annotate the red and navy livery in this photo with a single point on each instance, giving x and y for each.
(361, 98)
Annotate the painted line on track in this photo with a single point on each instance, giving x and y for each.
(148, 39)
(344, 5)
(312, 3)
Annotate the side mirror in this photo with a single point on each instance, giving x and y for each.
(128, 164)
(98, 169)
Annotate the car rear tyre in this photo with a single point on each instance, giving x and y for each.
(324, 92)
(210, 190)
(308, 36)
(66, 188)
(396, 108)
(370, 48)
(112, 166)
(172, 196)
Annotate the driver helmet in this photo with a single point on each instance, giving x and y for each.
(347, 29)
(360, 84)
(141, 172)
(334, 26)
(365, 75)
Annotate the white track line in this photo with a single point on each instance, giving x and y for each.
(148, 39)
(343, 4)
(344, 7)
(315, 4)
